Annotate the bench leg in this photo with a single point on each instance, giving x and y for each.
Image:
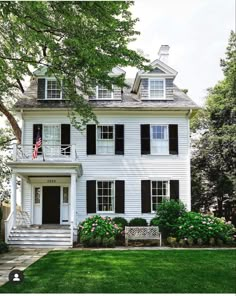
(160, 241)
(126, 242)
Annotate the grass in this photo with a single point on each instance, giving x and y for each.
(144, 271)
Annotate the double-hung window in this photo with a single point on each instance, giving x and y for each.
(103, 93)
(160, 191)
(156, 88)
(159, 139)
(53, 89)
(51, 139)
(105, 139)
(105, 196)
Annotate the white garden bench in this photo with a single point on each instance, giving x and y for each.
(142, 233)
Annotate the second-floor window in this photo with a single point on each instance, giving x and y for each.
(159, 139)
(156, 88)
(103, 93)
(105, 139)
(53, 89)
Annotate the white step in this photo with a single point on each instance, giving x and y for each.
(50, 231)
(39, 243)
(33, 239)
(59, 235)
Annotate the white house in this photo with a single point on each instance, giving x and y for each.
(138, 154)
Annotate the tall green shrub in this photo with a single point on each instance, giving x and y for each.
(168, 213)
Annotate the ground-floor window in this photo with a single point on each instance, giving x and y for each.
(160, 190)
(105, 196)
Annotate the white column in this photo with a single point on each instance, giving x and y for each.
(13, 198)
(73, 198)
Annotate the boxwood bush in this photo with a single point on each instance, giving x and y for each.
(3, 247)
(138, 222)
(122, 222)
(97, 231)
(205, 227)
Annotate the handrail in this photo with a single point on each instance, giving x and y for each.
(46, 151)
(8, 225)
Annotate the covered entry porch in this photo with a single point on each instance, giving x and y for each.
(48, 197)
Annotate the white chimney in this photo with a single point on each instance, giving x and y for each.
(164, 53)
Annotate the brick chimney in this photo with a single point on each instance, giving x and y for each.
(164, 53)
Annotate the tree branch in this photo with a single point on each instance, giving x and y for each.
(12, 121)
(20, 85)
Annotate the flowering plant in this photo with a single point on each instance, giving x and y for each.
(194, 225)
(97, 230)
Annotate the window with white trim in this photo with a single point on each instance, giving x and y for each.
(156, 88)
(159, 139)
(53, 89)
(51, 139)
(103, 93)
(160, 191)
(105, 139)
(105, 196)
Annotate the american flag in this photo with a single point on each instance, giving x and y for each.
(38, 144)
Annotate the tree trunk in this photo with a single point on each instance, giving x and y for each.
(220, 207)
(12, 121)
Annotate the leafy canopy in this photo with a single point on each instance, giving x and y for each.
(80, 40)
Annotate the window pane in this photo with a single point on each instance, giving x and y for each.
(156, 88)
(105, 139)
(105, 195)
(104, 93)
(159, 192)
(65, 194)
(37, 195)
(53, 89)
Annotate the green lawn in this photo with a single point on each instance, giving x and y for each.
(171, 271)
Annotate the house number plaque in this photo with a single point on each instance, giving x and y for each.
(51, 181)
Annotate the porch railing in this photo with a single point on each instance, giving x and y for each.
(8, 226)
(45, 152)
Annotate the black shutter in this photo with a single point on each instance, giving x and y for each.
(119, 139)
(41, 88)
(91, 139)
(173, 139)
(146, 196)
(120, 197)
(91, 196)
(145, 138)
(174, 189)
(37, 128)
(65, 139)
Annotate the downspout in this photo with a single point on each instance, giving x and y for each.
(189, 157)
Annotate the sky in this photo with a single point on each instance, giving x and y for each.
(197, 32)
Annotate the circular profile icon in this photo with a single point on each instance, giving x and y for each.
(16, 276)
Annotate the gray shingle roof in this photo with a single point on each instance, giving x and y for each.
(129, 101)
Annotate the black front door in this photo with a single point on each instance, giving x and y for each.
(51, 205)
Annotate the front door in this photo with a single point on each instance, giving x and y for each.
(51, 205)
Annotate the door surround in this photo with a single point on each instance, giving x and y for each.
(37, 210)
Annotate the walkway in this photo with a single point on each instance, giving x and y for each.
(18, 259)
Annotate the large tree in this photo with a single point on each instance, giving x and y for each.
(76, 41)
(214, 153)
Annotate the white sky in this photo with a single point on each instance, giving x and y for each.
(197, 32)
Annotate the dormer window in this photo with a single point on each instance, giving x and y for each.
(53, 89)
(156, 88)
(102, 93)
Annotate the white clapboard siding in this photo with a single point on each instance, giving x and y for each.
(131, 167)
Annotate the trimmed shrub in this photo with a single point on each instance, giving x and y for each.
(154, 221)
(138, 222)
(122, 222)
(168, 213)
(194, 225)
(3, 247)
(98, 231)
